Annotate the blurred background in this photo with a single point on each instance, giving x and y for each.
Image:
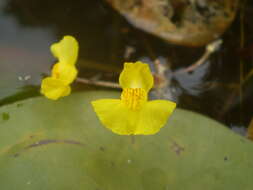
(110, 32)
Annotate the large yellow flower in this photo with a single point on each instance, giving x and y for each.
(64, 72)
(133, 114)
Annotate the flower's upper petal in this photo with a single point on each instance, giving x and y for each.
(66, 50)
(54, 88)
(116, 116)
(136, 75)
(153, 116)
(64, 72)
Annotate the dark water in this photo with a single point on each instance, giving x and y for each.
(29, 27)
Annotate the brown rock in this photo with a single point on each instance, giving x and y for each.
(183, 22)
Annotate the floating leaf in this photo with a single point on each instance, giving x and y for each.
(61, 145)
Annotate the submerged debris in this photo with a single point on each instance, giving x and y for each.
(5, 116)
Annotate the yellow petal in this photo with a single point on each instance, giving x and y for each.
(153, 116)
(115, 116)
(66, 50)
(65, 72)
(118, 118)
(54, 89)
(136, 75)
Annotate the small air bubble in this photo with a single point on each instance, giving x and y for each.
(27, 77)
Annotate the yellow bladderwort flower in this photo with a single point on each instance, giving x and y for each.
(133, 114)
(64, 72)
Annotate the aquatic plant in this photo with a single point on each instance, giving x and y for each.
(133, 114)
(64, 72)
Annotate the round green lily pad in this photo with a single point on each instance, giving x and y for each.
(61, 145)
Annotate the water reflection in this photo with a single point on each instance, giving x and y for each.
(23, 52)
(28, 31)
